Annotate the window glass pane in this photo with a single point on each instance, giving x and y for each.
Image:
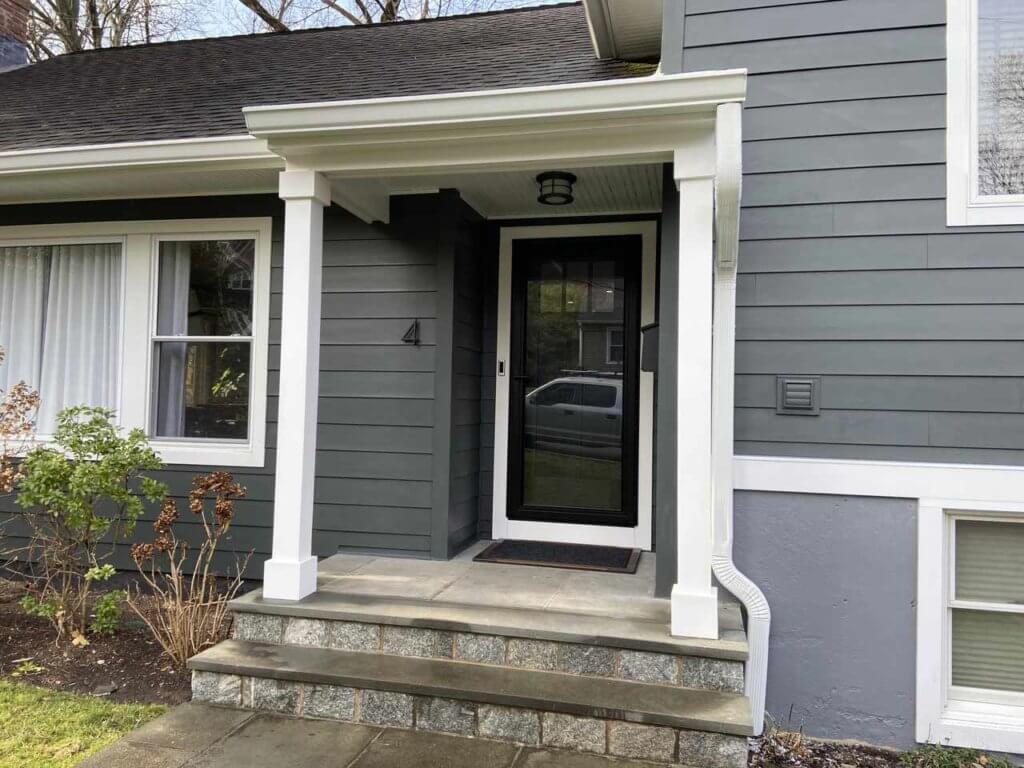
(205, 288)
(1000, 97)
(60, 324)
(988, 650)
(202, 390)
(599, 396)
(990, 561)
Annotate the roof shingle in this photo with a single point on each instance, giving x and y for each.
(197, 88)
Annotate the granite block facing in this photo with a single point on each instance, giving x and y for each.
(310, 632)
(711, 674)
(354, 636)
(275, 695)
(335, 702)
(712, 750)
(413, 641)
(586, 659)
(481, 649)
(387, 708)
(445, 715)
(583, 734)
(508, 724)
(643, 742)
(532, 654)
(215, 688)
(645, 667)
(257, 627)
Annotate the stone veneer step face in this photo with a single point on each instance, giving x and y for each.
(570, 658)
(659, 744)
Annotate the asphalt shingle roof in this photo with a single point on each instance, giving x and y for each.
(197, 88)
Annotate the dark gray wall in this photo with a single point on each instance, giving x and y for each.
(375, 468)
(847, 267)
(839, 575)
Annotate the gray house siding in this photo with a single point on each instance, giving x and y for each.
(847, 268)
(375, 464)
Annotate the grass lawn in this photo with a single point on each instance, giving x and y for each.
(47, 729)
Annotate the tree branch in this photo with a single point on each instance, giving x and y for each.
(265, 16)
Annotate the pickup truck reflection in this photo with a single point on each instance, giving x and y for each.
(581, 415)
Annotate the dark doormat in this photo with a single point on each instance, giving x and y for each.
(581, 557)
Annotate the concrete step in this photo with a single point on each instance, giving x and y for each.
(580, 644)
(605, 716)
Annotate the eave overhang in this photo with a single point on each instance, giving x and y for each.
(611, 121)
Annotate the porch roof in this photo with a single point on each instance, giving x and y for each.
(197, 88)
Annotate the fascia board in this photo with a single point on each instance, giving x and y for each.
(651, 96)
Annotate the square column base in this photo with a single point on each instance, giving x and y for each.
(289, 579)
(694, 614)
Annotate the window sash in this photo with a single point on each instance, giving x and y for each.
(139, 247)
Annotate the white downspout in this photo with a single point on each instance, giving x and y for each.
(728, 143)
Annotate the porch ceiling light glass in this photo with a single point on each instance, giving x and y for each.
(555, 188)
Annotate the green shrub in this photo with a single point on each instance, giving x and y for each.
(934, 756)
(79, 497)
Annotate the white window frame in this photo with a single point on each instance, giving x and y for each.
(608, 345)
(964, 206)
(139, 251)
(946, 714)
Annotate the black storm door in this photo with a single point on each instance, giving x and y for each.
(574, 373)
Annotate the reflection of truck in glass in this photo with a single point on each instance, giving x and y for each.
(576, 414)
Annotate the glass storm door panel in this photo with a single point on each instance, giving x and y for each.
(574, 369)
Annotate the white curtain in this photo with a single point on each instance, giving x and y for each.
(24, 275)
(172, 320)
(81, 330)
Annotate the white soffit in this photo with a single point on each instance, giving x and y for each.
(625, 29)
(513, 193)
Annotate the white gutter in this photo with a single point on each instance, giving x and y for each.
(640, 97)
(243, 150)
(728, 182)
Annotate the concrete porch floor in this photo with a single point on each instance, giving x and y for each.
(201, 736)
(461, 580)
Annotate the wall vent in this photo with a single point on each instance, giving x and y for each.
(798, 395)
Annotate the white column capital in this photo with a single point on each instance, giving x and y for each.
(694, 159)
(304, 185)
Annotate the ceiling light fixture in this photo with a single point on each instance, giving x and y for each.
(555, 188)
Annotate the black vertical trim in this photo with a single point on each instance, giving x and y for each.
(665, 389)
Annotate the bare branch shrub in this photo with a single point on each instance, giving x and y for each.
(18, 408)
(189, 611)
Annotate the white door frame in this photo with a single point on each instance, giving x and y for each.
(638, 536)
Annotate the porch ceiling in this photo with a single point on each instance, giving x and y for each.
(610, 189)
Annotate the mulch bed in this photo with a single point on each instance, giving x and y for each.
(780, 749)
(128, 667)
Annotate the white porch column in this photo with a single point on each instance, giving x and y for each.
(290, 574)
(694, 599)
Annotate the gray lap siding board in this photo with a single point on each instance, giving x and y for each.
(376, 412)
(847, 267)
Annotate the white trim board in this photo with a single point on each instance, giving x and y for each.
(503, 528)
(893, 479)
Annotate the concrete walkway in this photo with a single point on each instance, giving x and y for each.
(199, 736)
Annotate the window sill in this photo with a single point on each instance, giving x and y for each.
(1003, 213)
(977, 725)
(210, 454)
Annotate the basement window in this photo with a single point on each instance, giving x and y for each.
(970, 666)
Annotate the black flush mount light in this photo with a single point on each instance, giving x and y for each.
(555, 188)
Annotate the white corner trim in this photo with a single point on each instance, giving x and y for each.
(641, 535)
(964, 207)
(892, 479)
(244, 150)
(940, 719)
